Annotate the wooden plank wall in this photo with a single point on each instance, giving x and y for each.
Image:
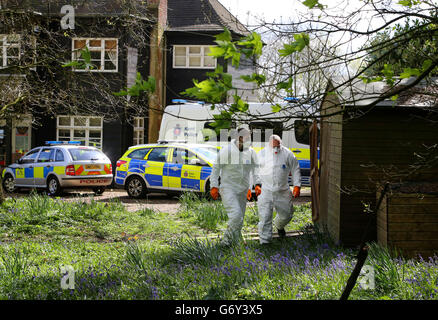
(409, 222)
(380, 146)
(330, 166)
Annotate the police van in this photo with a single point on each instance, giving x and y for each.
(193, 122)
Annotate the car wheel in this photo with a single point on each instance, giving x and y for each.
(53, 186)
(9, 183)
(99, 190)
(136, 187)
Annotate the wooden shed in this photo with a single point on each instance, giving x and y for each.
(366, 143)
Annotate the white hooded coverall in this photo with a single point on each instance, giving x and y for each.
(234, 168)
(276, 194)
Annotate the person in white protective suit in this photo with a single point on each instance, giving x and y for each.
(276, 162)
(234, 165)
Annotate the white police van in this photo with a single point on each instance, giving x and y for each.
(192, 122)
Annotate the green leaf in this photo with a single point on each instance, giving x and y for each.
(74, 64)
(405, 3)
(257, 78)
(139, 86)
(426, 64)
(276, 108)
(313, 3)
(301, 41)
(286, 85)
(394, 97)
(254, 43)
(224, 36)
(217, 52)
(409, 72)
(409, 3)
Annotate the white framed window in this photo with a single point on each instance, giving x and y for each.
(103, 51)
(88, 130)
(195, 57)
(138, 131)
(10, 50)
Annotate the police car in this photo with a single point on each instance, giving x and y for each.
(165, 167)
(60, 165)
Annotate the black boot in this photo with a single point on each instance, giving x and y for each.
(281, 233)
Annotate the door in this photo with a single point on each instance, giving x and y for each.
(43, 165)
(154, 172)
(25, 170)
(185, 170)
(21, 136)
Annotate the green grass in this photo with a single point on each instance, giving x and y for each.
(148, 254)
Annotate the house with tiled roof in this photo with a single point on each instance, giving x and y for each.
(191, 29)
(173, 48)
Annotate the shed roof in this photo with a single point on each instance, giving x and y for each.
(202, 15)
(424, 94)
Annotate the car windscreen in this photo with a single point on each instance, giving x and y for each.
(208, 154)
(80, 154)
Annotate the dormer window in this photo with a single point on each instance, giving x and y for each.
(193, 57)
(103, 54)
(9, 50)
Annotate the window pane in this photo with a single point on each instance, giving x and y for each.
(95, 122)
(80, 122)
(158, 154)
(195, 61)
(45, 155)
(79, 44)
(109, 65)
(62, 133)
(209, 62)
(95, 134)
(110, 44)
(95, 55)
(64, 121)
(86, 154)
(195, 50)
(13, 52)
(302, 131)
(59, 155)
(79, 134)
(95, 43)
(206, 51)
(180, 51)
(12, 61)
(180, 61)
(139, 153)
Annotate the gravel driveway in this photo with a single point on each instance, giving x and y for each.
(156, 201)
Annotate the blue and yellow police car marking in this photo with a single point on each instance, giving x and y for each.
(175, 176)
(154, 173)
(28, 172)
(19, 173)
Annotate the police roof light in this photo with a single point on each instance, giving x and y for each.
(63, 142)
(175, 101)
(291, 99)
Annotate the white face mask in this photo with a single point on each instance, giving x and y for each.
(276, 149)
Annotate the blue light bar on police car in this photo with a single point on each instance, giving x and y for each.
(63, 142)
(291, 99)
(186, 101)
